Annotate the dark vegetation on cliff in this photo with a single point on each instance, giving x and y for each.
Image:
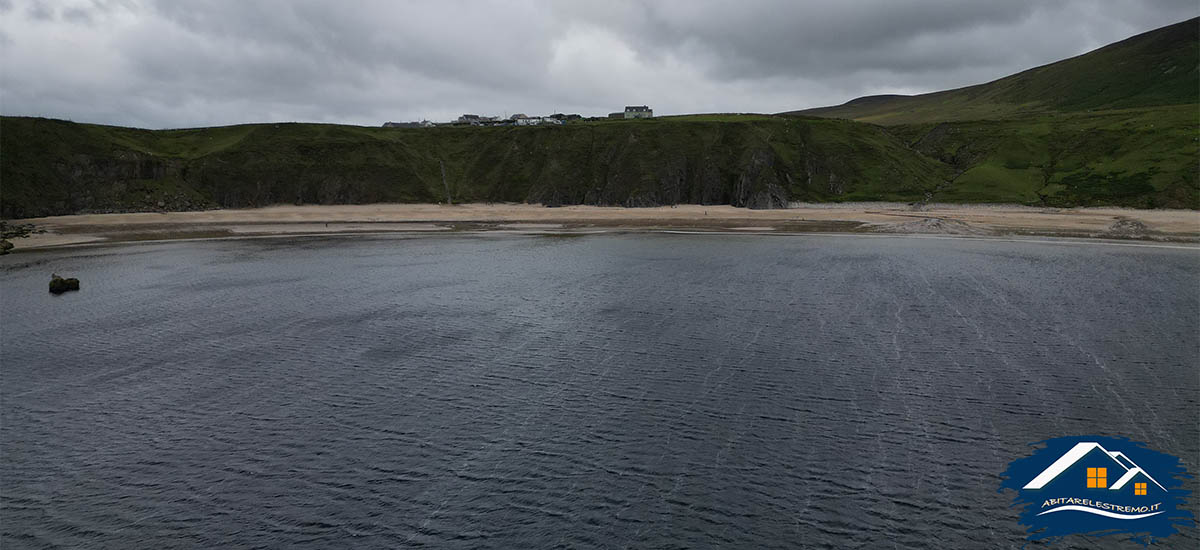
(52, 167)
(1116, 126)
(1144, 158)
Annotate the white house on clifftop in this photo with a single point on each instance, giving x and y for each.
(638, 111)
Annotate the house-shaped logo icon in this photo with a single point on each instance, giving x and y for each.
(1098, 466)
(1098, 485)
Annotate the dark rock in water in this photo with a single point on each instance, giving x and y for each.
(5, 246)
(59, 285)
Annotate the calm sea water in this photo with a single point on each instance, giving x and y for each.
(648, 391)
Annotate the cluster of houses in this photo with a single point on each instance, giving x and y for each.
(422, 124)
(521, 119)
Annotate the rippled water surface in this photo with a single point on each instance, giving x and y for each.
(602, 391)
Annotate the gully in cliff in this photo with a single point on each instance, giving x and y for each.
(59, 285)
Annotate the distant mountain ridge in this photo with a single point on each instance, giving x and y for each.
(1155, 68)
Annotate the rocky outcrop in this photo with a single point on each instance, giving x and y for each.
(934, 226)
(59, 285)
(1126, 228)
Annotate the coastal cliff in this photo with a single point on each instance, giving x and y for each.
(54, 167)
(1139, 158)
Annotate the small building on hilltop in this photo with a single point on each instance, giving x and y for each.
(421, 124)
(475, 120)
(536, 121)
(638, 111)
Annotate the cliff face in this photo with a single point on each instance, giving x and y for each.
(50, 167)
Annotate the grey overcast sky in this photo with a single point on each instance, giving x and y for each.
(183, 63)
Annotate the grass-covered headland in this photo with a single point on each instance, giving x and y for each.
(1119, 126)
(52, 167)
(1141, 158)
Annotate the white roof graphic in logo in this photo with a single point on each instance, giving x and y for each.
(1079, 451)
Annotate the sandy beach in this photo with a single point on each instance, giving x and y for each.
(948, 219)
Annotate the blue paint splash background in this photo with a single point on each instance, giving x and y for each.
(1167, 469)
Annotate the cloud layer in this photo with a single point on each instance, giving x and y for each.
(177, 64)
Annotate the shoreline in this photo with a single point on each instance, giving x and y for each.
(967, 220)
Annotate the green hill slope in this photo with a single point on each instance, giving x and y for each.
(1116, 126)
(52, 167)
(1128, 157)
(1160, 67)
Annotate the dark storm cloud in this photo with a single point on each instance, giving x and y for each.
(167, 63)
(40, 11)
(761, 39)
(77, 15)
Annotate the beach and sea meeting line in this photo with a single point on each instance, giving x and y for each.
(572, 275)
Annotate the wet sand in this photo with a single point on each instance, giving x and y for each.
(967, 220)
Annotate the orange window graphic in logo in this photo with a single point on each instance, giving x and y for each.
(1139, 488)
(1097, 478)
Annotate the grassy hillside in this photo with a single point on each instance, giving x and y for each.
(1130, 157)
(1160, 67)
(51, 167)
(1116, 126)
